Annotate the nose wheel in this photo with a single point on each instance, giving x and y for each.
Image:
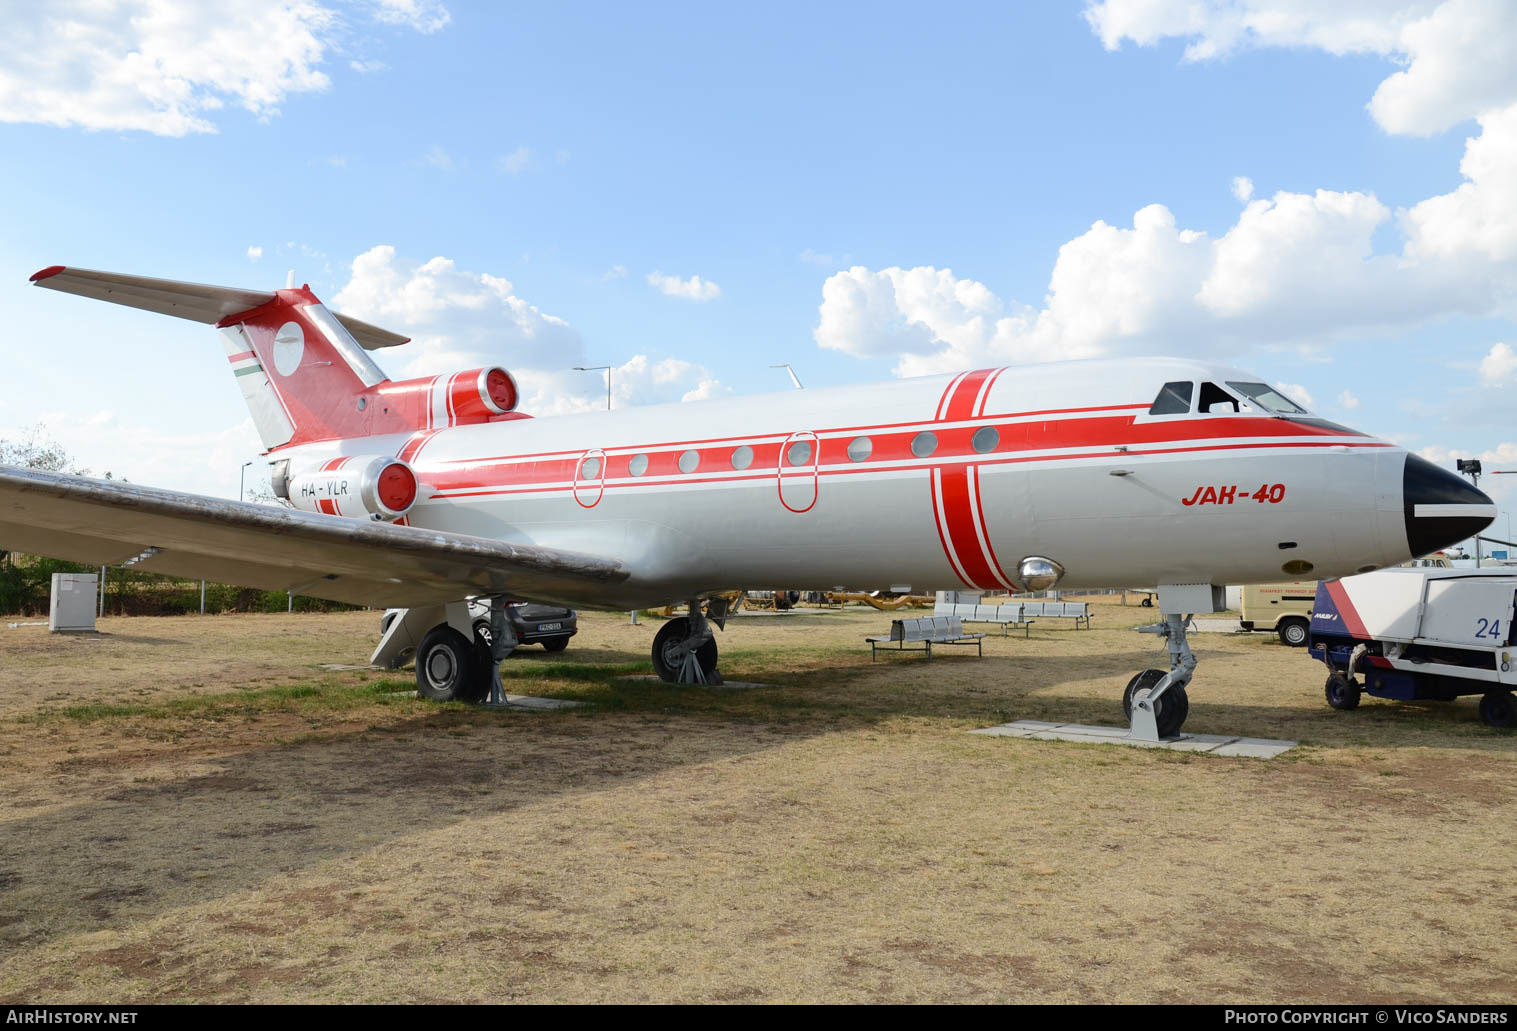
(1155, 701)
(684, 650)
(1170, 708)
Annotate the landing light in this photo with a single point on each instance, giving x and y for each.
(1038, 573)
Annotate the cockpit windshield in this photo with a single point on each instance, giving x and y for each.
(1268, 398)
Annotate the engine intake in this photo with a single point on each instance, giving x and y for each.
(364, 487)
(462, 399)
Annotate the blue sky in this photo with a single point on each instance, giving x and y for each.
(873, 190)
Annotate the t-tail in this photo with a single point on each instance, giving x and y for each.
(305, 371)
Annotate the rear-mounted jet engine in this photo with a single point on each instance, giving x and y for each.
(365, 487)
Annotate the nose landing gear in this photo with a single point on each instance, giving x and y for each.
(684, 649)
(1155, 701)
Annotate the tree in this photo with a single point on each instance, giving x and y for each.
(36, 450)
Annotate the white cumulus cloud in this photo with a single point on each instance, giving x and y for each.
(461, 320)
(1296, 268)
(1297, 393)
(1498, 364)
(693, 289)
(254, 253)
(165, 66)
(1348, 400)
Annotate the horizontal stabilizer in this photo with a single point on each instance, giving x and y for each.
(106, 522)
(194, 301)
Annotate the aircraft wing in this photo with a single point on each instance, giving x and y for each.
(194, 301)
(102, 522)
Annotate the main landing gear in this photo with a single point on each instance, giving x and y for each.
(1155, 701)
(684, 649)
(452, 668)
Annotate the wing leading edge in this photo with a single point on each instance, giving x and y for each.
(363, 563)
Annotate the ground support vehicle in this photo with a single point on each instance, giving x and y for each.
(1421, 633)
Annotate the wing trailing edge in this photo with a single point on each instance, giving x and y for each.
(363, 563)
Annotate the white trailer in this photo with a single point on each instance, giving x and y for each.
(1420, 634)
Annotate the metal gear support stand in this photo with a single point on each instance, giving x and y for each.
(690, 671)
(1182, 665)
(502, 643)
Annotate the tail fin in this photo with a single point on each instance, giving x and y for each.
(304, 372)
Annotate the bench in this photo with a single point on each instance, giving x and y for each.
(1009, 615)
(1079, 611)
(926, 631)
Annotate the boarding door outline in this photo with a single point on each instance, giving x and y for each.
(791, 480)
(589, 490)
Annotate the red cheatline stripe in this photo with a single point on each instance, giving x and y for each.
(241, 356)
(1346, 610)
(559, 474)
(1111, 432)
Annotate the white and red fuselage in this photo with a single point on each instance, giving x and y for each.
(1122, 472)
(942, 482)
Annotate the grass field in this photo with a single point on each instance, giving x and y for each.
(197, 810)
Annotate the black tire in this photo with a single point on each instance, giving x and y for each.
(1147, 602)
(447, 666)
(671, 634)
(555, 644)
(1498, 709)
(1174, 704)
(1292, 632)
(1342, 693)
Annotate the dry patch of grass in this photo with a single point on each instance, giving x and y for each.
(280, 833)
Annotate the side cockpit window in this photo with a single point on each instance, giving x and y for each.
(1216, 401)
(1268, 398)
(1173, 399)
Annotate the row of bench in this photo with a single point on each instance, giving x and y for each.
(1016, 614)
(926, 631)
(946, 625)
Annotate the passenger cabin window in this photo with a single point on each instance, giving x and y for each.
(1173, 399)
(1216, 401)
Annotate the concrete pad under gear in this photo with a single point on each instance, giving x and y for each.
(1211, 744)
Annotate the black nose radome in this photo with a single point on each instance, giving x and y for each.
(1442, 507)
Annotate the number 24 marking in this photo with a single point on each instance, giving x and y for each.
(1489, 628)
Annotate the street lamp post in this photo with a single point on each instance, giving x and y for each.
(242, 476)
(1471, 467)
(599, 368)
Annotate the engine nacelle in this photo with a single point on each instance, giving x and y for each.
(462, 399)
(363, 487)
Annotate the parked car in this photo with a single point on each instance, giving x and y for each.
(547, 625)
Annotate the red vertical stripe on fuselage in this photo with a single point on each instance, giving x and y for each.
(959, 501)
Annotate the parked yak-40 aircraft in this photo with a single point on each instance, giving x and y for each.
(426, 493)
